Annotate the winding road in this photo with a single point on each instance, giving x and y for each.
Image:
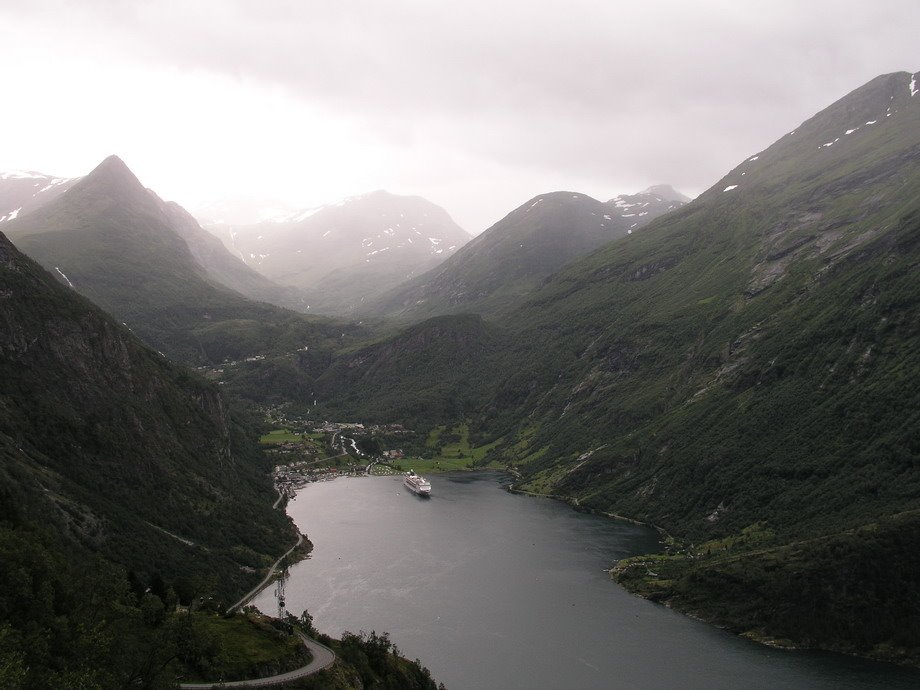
(271, 573)
(322, 658)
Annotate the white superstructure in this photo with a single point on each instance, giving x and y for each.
(417, 483)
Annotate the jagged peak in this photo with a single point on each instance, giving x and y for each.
(112, 172)
(112, 164)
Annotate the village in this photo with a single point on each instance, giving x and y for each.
(305, 451)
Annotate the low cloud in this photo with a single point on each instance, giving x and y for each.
(603, 94)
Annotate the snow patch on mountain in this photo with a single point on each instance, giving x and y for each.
(55, 181)
(11, 215)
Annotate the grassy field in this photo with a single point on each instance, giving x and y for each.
(315, 442)
(455, 452)
(280, 436)
(429, 465)
(249, 647)
(383, 471)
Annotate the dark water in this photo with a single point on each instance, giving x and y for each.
(494, 590)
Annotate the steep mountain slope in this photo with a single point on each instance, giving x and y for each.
(664, 321)
(346, 252)
(118, 244)
(21, 191)
(438, 360)
(745, 371)
(117, 450)
(510, 259)
(226, 269)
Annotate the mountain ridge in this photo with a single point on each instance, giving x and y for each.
(114, 180)
(506, 262)
(118, 243)
(343, 253)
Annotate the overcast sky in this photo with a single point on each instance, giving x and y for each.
(476, 105)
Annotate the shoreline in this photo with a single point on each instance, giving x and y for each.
(272, 571)
(573, 502)
(696, 614)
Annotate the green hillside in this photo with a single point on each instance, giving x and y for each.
(751, 359)
(118, 244)
(429, 372)
(742, 333)
(120, 452)
(127, 487)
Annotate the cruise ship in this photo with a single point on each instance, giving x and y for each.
(417, 483)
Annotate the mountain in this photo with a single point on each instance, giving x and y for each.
(346, 252)
(510, 259)
(117, 451)
(226, 269)
(127, 486)
(745, 374)
(22, 190)
(150, 265)
(438, 360)
(709, 300)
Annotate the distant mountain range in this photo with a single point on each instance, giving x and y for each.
(24, 192)
(371, 254)
(149, 263)
(510, 259)
(344, 253)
